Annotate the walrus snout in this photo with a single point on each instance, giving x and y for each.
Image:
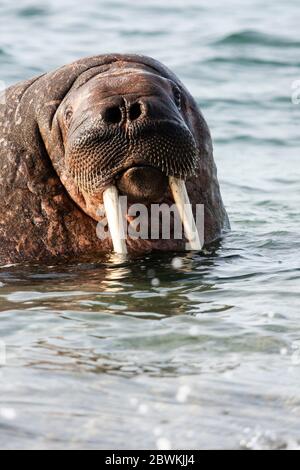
(121, 111)
(96, 154)
(143, 184)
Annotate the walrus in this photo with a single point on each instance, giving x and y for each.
(99, 127)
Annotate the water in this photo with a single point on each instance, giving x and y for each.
(103, 355)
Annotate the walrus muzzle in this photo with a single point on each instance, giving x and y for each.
(98, 155)
(138, 150)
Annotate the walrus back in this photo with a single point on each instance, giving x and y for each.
(38, 221)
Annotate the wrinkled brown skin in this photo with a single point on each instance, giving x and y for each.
(44, 215)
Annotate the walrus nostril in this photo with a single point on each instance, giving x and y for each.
(113, 115)
(135, 111)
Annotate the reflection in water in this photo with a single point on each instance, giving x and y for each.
(103, 331)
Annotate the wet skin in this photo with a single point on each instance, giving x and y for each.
(68, 135)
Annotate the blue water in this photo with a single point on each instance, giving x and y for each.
(207, 355)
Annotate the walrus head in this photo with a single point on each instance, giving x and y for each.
(128, 122)
(127, 128)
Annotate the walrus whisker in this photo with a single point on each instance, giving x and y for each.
(184, 207)
(101, 153)
(114, 218)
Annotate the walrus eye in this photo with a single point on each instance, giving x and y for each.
(177, 97)
(68, 116)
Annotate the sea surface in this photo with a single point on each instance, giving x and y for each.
(169, 351)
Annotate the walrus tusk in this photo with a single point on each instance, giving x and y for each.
(184, 207)
(114, 218)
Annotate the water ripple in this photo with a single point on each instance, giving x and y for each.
(253, 37)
